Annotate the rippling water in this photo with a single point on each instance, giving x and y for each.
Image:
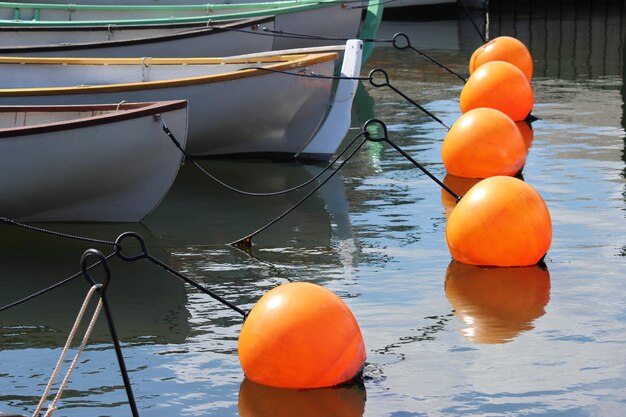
(442, 338)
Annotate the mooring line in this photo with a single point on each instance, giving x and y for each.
(52, 287)
(246, 241)
(385, 138)
(188, 157)
(407, 45)
(400, 93)
(79, 318)
(265, 31)
(13, 222)
(370, 78)
(128, 258)
(101, 288)
(145, 255)
(482, 36)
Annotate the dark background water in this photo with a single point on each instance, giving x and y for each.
(442, 339)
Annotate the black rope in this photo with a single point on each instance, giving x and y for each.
(305, 75)
(386, 83)
(52, 287)
(371, 78)
(482, 36)
(145, 255)
(246, 241)
(385, 138)
(13, 222)
(236, 190)
(407, 45)
(265, 31)
(101, 289)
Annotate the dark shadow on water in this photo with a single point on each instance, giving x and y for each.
(571, 39)
(147, 303)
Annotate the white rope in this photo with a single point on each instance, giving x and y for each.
(53, 406)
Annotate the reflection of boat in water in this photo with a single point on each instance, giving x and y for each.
(147, 303)
(257, 400)
(199, 211)
(453, 31)
(497, 304)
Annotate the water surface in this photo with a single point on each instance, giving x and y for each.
(442, 338)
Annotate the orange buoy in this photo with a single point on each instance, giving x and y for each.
(460, 186)
(501, 221)
(503, 48)
(497, 304)
(256, 400)
(499, 85)
(526, 130)
(483, 143)
(301, 335)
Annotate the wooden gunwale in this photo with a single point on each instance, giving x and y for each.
(290, 62)
(127, 111)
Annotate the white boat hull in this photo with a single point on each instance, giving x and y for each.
(269, 113)
(325, 20)
(87, 168)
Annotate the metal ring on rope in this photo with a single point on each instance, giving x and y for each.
(378, 123)
(130, 258)
(102, 261)
(396, 43)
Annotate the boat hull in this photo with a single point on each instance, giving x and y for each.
(238, 112)
(326, 20)
(190, 40)
(297, 24)
(113, 167)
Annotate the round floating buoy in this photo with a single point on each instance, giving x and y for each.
(503, 48)
(460, 186)
(483, 143)
(497, 304)
(256, 400)
(301, 335)
(499, 85)
(501, 221)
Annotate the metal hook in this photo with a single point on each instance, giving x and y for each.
(378, 124)
(385, 75)
(130, 258)
(397, 45)
(102, 260)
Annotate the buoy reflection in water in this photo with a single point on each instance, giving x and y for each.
(256, 400)
(497, 304)
(460, 186)
(526, 129)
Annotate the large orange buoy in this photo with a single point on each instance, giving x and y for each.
(483, 143)
(460, 186)
(301, 335)
(499, 85)
(501, 221)
(504, 48)
(256, 400)
(497, 304)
